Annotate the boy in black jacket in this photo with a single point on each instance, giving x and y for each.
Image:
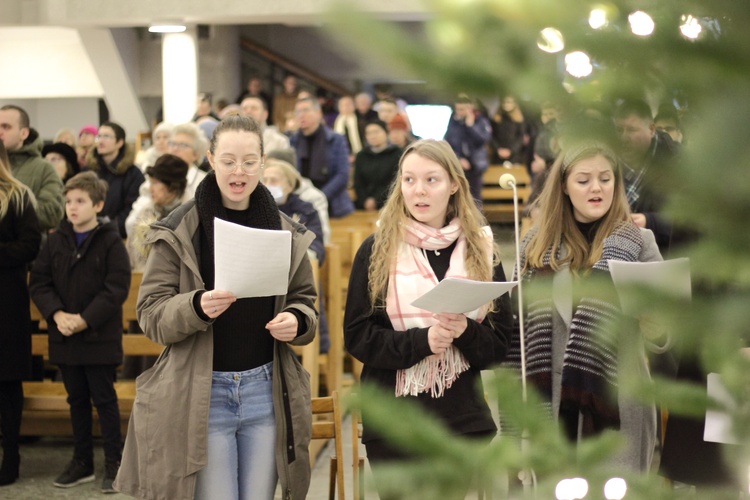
(79, 283)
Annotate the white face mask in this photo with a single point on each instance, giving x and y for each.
(276, 192)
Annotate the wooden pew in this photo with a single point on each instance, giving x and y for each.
(309, 354)
(497, 203)
(128, 307)
(45, 407)
(332, 362)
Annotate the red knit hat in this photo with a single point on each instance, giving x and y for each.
(398, 123)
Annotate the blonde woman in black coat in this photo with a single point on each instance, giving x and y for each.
(19, 245)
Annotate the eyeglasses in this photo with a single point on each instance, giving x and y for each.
(178, 145)
(104, 137)
(250, 167)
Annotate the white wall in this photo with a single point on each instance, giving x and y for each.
(45, 62)
(50, 115)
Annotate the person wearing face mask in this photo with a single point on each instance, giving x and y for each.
(578, 344)
(280, 178)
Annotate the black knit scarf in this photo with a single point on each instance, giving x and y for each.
(263, 213)
(313, 151)
(589, 372)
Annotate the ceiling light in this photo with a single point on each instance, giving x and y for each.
(167, 27)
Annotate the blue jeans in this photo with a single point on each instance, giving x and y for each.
(241, 437)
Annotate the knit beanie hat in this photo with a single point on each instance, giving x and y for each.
(379, 123)
(171, 171)
(88, 129)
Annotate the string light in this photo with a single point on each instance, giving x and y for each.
(641, 23)
(615, 488)
(578, 64)
(690, 27)
(550, 40)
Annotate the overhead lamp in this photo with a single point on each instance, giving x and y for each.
(167, 27)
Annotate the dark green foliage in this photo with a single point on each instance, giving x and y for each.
(487, 47)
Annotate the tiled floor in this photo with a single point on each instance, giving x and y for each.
(42, 462)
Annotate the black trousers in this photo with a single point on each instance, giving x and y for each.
(84, 384)
(11, 406)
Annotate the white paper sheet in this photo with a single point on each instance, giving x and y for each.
(670, 277)
(251, 262)
(453, 295)
(718, 427)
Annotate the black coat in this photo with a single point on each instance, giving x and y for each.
(124, 180)
(93, 281)
(19, 245)
(374, 173)
(371, 339)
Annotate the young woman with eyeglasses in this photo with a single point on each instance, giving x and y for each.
(225, 412)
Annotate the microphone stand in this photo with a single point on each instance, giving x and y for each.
(508, 181)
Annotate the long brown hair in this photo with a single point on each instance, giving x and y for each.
(395, 213)
(12, 191)
(555, 224)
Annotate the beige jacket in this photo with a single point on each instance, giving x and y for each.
(166, 443)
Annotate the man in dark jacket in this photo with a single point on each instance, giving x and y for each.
(322, 157)
(79, 283)
(25, 153)
(647, 154)
(468, 133)
(113, 160)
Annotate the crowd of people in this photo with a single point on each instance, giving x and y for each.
(85, 209)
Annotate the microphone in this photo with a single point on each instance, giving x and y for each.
(507, 181)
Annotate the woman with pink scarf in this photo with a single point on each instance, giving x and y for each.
(429, 229)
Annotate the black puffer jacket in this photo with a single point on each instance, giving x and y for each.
(91, 280)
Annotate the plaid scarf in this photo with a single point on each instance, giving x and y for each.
(411, 277)
(589, 370)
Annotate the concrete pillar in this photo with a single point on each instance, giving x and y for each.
(179, 75)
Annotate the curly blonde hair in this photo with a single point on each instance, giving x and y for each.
(395, 213)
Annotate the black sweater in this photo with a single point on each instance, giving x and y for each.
(371, 339)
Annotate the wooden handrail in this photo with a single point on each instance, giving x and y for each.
(292, 66)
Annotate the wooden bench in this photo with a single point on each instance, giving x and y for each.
(329, 365)
(349, 232)
(310, 353)
(45, 407)
(497, 202)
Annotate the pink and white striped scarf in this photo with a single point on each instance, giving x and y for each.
(411, 277)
